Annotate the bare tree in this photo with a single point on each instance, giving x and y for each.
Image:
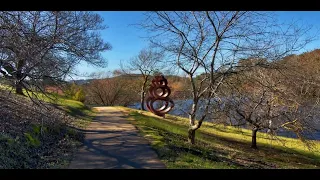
(302, 74)
(110, 91)
(260, 98)
(104, 92)
(38, 45)
(147, 63)
(213, 43)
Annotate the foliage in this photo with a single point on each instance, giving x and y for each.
(71, 90)
(80, 95)
(32, 140)
(75, 92)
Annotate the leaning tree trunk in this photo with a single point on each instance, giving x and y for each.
(254, 138)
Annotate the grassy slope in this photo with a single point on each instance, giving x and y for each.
(83, 115)
(74, 108)
(220, 147)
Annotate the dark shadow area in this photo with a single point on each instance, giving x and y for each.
(75, 112)
(118, 160)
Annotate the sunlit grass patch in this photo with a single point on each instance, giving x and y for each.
(219, 146)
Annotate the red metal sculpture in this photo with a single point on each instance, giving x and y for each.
(159, 83)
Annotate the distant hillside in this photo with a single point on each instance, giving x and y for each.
(86, 81)
(81, 81)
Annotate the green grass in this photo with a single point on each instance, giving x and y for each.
(74, 108)
(218, 146)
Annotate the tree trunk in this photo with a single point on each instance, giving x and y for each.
(191, 136)
(143, 93)
(19, 88)
(18, 84)
(19, 75)
(254, 138)
(192, 117)
(142, 100)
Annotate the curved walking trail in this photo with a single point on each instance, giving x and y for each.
(111, 142)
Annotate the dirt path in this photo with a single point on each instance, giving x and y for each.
(111, 142)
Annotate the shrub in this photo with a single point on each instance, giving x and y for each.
(79, 95)
(32, 140)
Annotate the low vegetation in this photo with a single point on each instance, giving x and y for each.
(219, 146)
(40, 136)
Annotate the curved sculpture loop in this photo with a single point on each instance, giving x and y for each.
(159, 91)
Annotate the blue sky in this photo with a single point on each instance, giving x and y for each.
(125, 38)
(127, 41)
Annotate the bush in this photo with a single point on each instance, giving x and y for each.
(75, 92)
(79, 96)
